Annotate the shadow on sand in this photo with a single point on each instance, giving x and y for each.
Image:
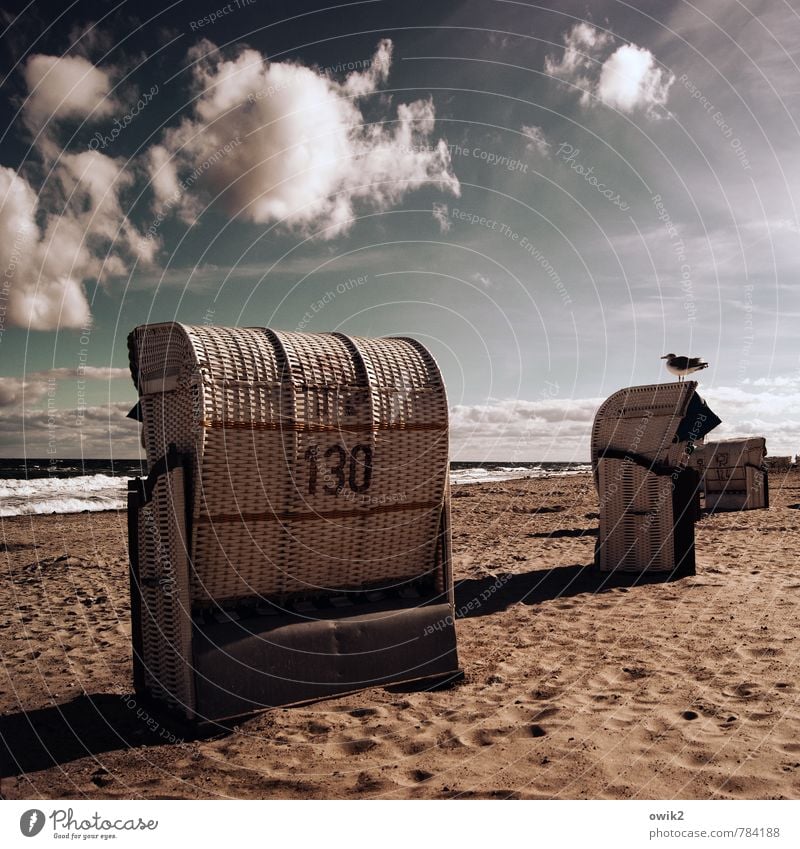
(491, 595)
(87, 725)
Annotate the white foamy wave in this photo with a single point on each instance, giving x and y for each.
(62, 495)
(478, 474)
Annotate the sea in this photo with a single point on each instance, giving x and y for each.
(30, 487)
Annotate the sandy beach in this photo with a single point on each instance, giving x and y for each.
(574, 687)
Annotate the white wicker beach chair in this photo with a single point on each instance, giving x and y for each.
(733, 474)
(642, 439)
(292, 540)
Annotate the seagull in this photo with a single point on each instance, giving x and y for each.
(683, 365)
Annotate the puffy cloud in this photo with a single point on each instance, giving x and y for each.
(580, 45)
(65, 87)
(362, 83)
(43, 290)
(628, 79)
(91, 238)
(280, 142)
(536, 140)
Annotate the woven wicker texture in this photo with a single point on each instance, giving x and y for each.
(164, 589)
(733, 473)
(320, 460)
(636, 508)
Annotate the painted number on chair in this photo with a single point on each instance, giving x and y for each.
(341, 467)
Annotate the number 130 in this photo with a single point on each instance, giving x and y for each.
(359, 457)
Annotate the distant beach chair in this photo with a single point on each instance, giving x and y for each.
(642, 439)
(292, 540)
(733, 474)
(779, 464)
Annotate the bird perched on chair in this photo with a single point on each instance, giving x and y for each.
(683, 365)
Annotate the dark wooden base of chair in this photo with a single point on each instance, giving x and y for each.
(260, 662)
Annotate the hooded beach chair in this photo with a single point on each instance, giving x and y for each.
(292, 539)
(733, 474)
(642, 439)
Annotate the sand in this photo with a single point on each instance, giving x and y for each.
(573, 689)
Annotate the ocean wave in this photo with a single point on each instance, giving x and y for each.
(62, 495)
(497, 474)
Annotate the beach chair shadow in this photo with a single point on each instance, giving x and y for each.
(487, 596)
(90, 724)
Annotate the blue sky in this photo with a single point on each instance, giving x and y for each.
(550, 199)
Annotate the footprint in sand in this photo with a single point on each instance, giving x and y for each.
(413, 777)
(364, 711)
(745, 690)
(448, 740)
(357, 746)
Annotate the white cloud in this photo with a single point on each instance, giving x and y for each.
(34, 385)
(56, 297)
(98, 431)
(280, 142)
(483, 280)
(65, 87)
(86, 373)
(441, 214)
(626, 79)
(536, 140)
(580, 45)
(630, 79)
(90, 238)
(362, 83)
(549, 429)
(11, 391)
(74, 229)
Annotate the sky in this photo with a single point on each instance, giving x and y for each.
(549, 196)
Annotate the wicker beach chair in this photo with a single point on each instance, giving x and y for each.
(642, 439)
(733, 474)
(292, 539)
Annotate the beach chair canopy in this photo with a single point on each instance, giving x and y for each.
(319, 461)
(651, 424)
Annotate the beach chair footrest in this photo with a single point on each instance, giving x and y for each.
(273, 661)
